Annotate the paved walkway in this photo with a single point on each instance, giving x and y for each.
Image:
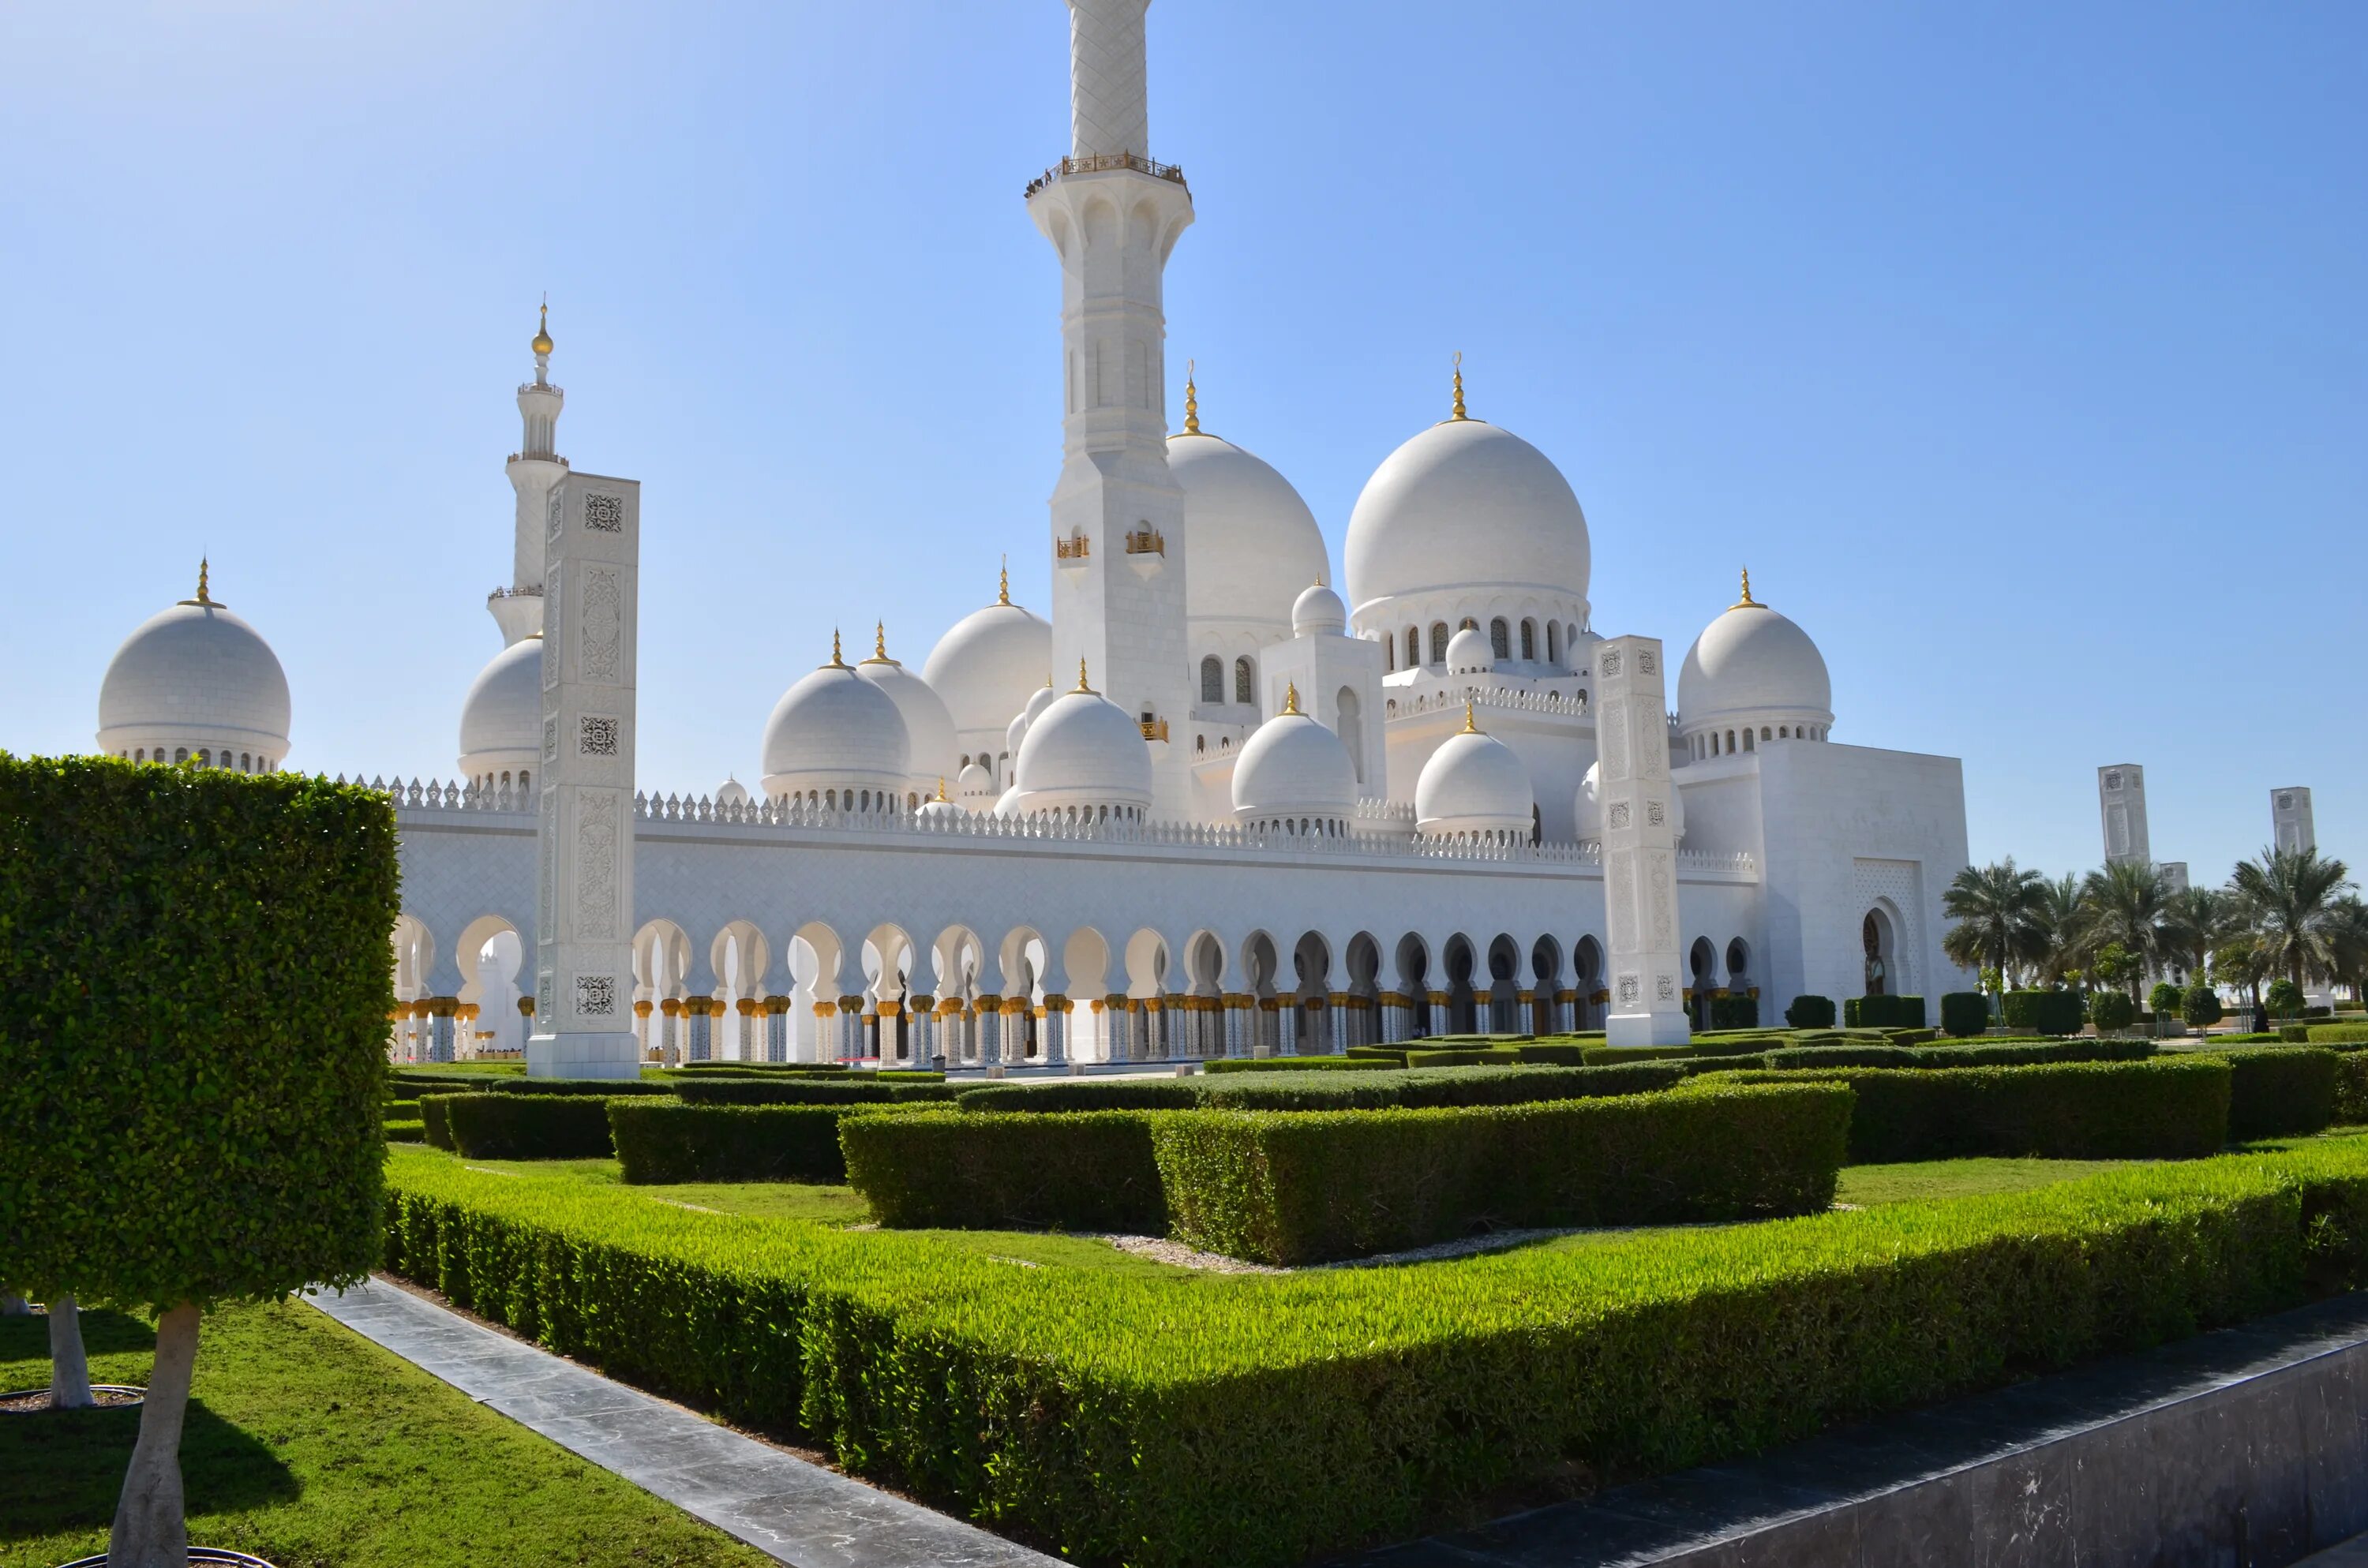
(797, 1512)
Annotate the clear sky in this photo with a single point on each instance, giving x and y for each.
(2017, 348)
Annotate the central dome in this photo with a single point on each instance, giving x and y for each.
(196, 678)
(1251, 543)
(1465, 505)
(986, 666)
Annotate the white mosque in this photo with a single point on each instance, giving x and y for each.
(1210, 806)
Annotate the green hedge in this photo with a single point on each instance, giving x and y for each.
(1296, 1063)
(1736, 1045)
(1811, 1012)
(1880, 1012)
(1411, 1087)
(523, 1127)
(2352, 1088)
(1174, 1421)
(1084, 1094)
(670, 1141)
(1297, 1188)
(810, 1091)
(1619, 1055)
(597, 1088)
(406, 1132)
(193, 1048)
(2335, 1034)
(1981, 1054)
(432, 1128)
(1965, 1013)
(2044, 1012)
(1466, 1056)
(2278, 1090)
(1733, 1012)
(949, 1170)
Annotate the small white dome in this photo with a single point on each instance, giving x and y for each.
(197, 678)
(1294, 767)
(928, 725)
(501, 719)
(938, 807)
(1474, 784)
(984, 667)
(1318, 612)
(1468, 652)
(1587, 808)
(834, 730)
(1083, 751)
(732, 792)
(975, 784)
(1465, 505)
(1007, 803)
(1248, 534)
(1753, 663)
(1015, 734)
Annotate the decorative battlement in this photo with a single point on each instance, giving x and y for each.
(1451, 699)
(1077, 547)
(533, 591)
(1106, 162)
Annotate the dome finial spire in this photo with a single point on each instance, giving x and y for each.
(204, 566)
(837, 661)
(941, 786)
(879, 643)
(543, 344)
(1471, 722)
(1003, 590)
(1081, 679)
(1459, 413)
(1747, 601)
(1290, 697)
(1192, 401)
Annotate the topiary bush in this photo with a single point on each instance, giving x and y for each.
(2280, 1090)
(1295, 1189)
(1810, 1013)
(1733, 1012)
(2044, 1012)
(2282, 998)
(2164, 1000)
(671, 1141)
(2111, 1010)
(1465, 1056)
(947, 1169)
(1965, 1013)
(525, 1126)
(2199, 1006)
(1883, 1012)
(1084, 1093)
(192, 1056)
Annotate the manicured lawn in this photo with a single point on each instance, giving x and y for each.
(1864, 1186)
(310, 1446)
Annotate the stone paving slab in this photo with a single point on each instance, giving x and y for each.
(796, 1512)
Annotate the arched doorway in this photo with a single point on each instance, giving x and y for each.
(1879, 952)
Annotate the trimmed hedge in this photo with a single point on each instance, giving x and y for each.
(2335, 1034)
(1985, 1053)
(1883, 1012)
(2044, 1012)
(1466, 1056)
(1128, 1415)
(2278, 1090)
(406, 1132)
(2173, 1107)
(1411, 1088)
(1965, 1013)
(945, 1169)
(1295, 1063)
(193, 1052)
(2352, 1088)
(808, 1091)
(1085, 1094)
(1811, 1012)
(597, 1088)
(1733, 1012)
(668, 1141)
(523, 1127)
(1620, 1055)
(1302, 1188)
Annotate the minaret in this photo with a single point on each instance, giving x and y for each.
(1118, 517)
(534, 468)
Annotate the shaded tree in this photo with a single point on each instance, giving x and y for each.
(1998, 917)
(2289, 899)
(2132, 906)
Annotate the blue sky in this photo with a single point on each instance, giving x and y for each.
(2018, 349)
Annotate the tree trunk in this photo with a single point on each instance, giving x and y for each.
(150, 1528)
(69, 1368)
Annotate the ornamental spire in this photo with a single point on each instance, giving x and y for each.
(837, 661)
(1459, 413)
(204, 600)
(1192, 401)
(1290, 697)
(543, 344)
(880, 644)
(1747, 601)
(941, 786)
(1003, 593)
(1471, 724)
(1081, 680)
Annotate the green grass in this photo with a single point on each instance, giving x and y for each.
(1865, 1186)
(311, 1447)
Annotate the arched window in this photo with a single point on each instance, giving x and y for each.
(1199, 744)
(1389, 655)
(1730, 742)
(1467, 624)
(1244, 682)
(1413, 647)
(1439, 641)
(1499, 639)
(1553, 642)
(205, 759)
(1783, 731)
(1530, 639)
(1350, 727)
(1764, 734)
(1747, 738)
(1213, 679)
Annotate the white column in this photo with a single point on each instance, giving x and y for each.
(1640, 850)
(584, 960)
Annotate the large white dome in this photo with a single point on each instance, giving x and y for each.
(1753, 663)
(1474, 784)
(1085, 752)
(501, 719)
(928, 725)
(1251, 543)
(196, 678)
(986, 666)
(1294, 767)
(835, 731)
(1465, 505)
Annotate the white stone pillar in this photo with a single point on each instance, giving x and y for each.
(1640, 848)
(1286, 1025)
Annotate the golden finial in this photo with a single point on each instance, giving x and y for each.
(1747, 601)
(1192, 403)
(837, 661)
(941, 786)
(1471, 724)
(1459, 413)
(1291, 696)
(1003, 594)
(541, 344)
(880, 644)
(1081, 679)
(204, 565)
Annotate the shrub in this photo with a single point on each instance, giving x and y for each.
(525, 1126)
(2111, 1010)
(1306, 1188)
(2284, 998)
(2044, 1012)
(1733, 1012)
(2175, 1108)
(1811, 1012)
(2278, 1090)
(1976, 1054)
(433, 1129)
(1880, 1012)
(597, 1088)
(192, 1056)
(1911, 1037)
(2351, 1087)
(1554, 1054)
(1072, 1171)
(1379, 1052)
(2199, 1006)
(1084, 1093)
(406, 1132)
(808, 1091)
(2164, 1000)
(1121, 1415)
(668, 1141)
(1434, 1089)
(1965, 1013)
(1295, 1063)
(1738, 1045)
(2335, 1034)
(2295, 1034)
(1618, 1055)
(1467, 1056)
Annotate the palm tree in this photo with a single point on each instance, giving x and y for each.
(1996, 910)
(2132, 905)
(2203, 913)
(2348, 934)
(2289, 897)
(2060, 949)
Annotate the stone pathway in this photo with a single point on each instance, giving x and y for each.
(796, 1512)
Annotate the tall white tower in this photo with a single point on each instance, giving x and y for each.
(2120, 799)
(2290, 821)
(1640, 845)
(534, 468)
(1118, 517)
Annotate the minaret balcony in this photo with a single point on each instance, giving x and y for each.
(1107, 163)
(1074, 550)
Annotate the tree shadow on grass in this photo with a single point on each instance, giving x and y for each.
(103, 1333)
(64, 1468)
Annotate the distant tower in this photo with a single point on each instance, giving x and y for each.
(2120, 796)
(1118, 517)
(2290, 822)
(534, 468)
